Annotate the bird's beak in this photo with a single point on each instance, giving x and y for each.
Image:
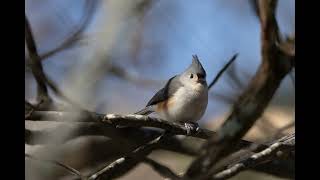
(201, 80)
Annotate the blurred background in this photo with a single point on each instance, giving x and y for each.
(115, 54)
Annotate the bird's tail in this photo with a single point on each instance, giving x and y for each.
(145, 111)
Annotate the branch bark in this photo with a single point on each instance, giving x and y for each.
(37, 70)
(234, 57)
(118, 121)
(161, 169)
(35, 64)
(283, 146)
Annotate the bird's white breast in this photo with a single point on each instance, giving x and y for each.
(188, 104)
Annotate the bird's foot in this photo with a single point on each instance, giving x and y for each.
(191, 127)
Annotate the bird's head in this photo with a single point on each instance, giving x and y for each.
(195, 74)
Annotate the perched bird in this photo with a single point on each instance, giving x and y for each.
(184, 97)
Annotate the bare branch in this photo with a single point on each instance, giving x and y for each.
(132, 120)
(280, 167)
(161, 169)
(90, 7)
(285, 145)
(147, 121)
(252, 102)
(38, 72)
(235, 82)
(35, 64)
(114, 120)
(234, 57)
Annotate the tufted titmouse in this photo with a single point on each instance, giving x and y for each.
(184, 97)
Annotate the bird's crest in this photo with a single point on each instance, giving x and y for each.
(196, 66)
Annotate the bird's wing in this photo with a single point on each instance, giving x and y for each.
(165, 93)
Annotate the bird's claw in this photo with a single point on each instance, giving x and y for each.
(191, 128)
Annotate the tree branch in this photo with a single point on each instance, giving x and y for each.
(119, 121)
(35, 64)
(225, 67)
(280, 167)
(161, 169)
(37, 70)
(284, 145)
(90, 7)
(252, 102)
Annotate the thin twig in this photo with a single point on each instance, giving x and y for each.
(225, 67)
(161, 169)
(90, 7)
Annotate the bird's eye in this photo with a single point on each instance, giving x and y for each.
(191, 76)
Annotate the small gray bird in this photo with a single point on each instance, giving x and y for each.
(184, 97)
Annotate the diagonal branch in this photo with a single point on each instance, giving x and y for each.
(37, 70)
(35, 64)
(251, 104)
(280, 167)
(90, 7)
(161, 169)
(284, 145)
(234, 57)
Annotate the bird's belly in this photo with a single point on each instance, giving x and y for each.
(186, 106)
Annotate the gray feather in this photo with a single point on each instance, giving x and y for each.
(165, 93)
(145, 111)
